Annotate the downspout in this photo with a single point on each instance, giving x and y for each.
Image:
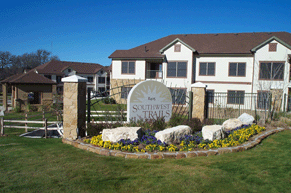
(253, 71)
(253, 85)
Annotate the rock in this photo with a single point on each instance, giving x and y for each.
(212, 132)
(114, 135)
(246, 119)
(173, 134)
(231, 124)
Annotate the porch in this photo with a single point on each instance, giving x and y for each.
(154, 69)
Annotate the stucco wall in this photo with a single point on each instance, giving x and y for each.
(263, 54)
(139, 70)
(221, 81)
(184, 56)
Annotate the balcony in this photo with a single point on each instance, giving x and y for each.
(154, 74)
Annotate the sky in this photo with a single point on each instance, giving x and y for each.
(90, 31)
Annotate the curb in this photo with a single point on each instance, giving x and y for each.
(173, 155)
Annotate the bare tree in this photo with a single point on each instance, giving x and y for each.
(5, 59)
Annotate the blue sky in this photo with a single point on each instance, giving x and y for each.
(89, 31)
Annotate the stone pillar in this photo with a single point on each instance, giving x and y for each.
(4, 100)
(74, 114)
(199, 99)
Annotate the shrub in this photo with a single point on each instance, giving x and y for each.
(17, 109)
(176, 120)
(96, 129)
(149, 124)
(108, 100)
(195, 124)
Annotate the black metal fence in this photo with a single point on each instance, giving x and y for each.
(110, 106)
(223, 106)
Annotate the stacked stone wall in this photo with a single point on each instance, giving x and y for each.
(117, 84)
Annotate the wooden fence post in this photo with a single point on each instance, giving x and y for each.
(43, 116)
(25, 122)
(2, 125)
(45, 128)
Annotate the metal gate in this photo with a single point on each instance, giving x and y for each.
(110, 106)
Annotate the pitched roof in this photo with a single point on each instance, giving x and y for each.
(30, 77)
(57, 67)
(224, 43)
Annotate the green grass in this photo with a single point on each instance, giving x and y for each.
(100, 106)
(48, 165)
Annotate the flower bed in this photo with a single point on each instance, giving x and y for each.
(148, 143)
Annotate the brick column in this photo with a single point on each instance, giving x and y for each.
(199, 99)
(74, 114)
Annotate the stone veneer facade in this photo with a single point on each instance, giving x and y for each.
(117, 84)
(198, 108)
(74, 114)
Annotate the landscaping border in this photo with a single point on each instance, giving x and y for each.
(173, 155)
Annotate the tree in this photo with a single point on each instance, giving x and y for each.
(13, 64)
(5, 59)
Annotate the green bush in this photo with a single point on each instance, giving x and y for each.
(176, 120)
(95, 129)
(108, 100)
(194, 123)
(17, 109)
(149, 124)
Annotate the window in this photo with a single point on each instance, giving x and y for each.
(59, 79)
(177, 69)
(237, 69)
(263, 101)
(34, 97)
(128, 67)
(207, 68)
(101, 80)
(69, 70)
(48, 76)
(271, 70)
(210, 96)
(177, 48)
(108, 80)
(124, 92)
(272, 47)
(178, 96)
(90, 79)
(235, 97)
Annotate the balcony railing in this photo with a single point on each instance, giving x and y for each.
(154, 74)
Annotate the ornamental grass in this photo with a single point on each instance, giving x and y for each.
(148, 143)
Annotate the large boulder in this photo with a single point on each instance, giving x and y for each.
(114, 135)
(173, 134)
(212, 132)
(231, 124)
(246, 119)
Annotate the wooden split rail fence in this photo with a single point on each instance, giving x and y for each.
(24, 124)
(108, 116)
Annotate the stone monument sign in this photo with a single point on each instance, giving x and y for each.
(149, 99)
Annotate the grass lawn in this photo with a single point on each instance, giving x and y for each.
(100, 106)
(48, 165)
